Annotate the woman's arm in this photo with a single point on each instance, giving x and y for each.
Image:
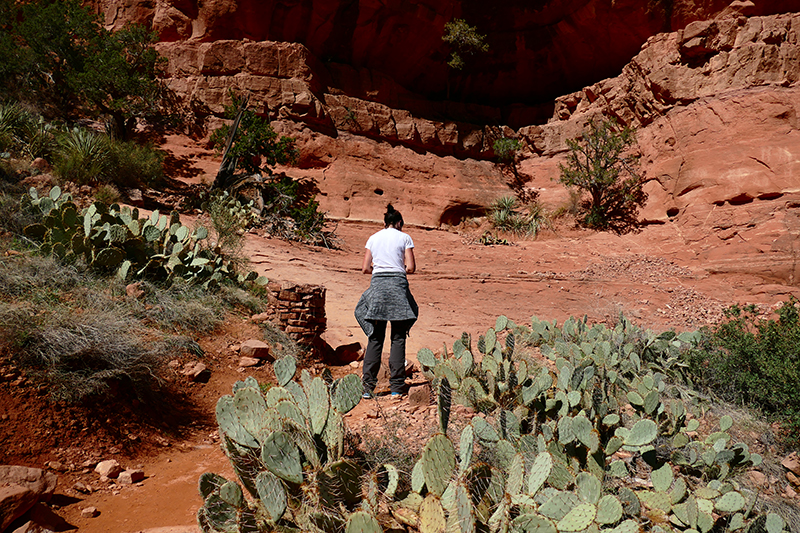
(411, 264)
(366, 266)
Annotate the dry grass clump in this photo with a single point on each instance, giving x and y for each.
(37, 279)
(84, 338)
(90, 354)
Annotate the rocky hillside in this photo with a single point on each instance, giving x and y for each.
(715, 103)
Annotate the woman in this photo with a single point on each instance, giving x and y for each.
(389, 257)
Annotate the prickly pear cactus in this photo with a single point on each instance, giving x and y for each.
(116, 239)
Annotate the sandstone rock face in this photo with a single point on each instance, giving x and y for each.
(537, 51)
(715, 104)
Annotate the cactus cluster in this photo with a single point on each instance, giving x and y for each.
(116, 239)
(286, 447)
(567, 436)
(598, 444)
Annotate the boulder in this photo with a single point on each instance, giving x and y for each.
(109, 468)
(420, 395)
(42, 483)
(256, 349)
(792, 463)
(130, 476)
(248, 362)
(347, 353)
(41, 519)
(196, 372)
(15, 501)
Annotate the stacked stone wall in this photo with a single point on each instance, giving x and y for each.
(299, 311)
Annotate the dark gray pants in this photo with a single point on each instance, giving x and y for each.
(397, 355)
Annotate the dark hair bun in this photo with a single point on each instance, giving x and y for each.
(391, 217)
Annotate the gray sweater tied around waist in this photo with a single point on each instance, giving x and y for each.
(387, 298)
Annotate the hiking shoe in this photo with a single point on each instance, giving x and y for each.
(367, 396)
(397, 395)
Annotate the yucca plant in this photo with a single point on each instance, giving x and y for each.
(502, 212)
(83, 156)
(13, 119)
(40, 139)
(505, 215)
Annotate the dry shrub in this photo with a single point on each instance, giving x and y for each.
(92, 354)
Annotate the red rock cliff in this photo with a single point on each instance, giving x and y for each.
(538, 49)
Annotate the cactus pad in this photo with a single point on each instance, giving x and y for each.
(347, 393)
(532, 523)
(209, 482)
(229, 423)
(277, 394)
(287, 409)
(231, 493)
(431, 515)
(628, 526)
(250, 408)
(438, 462)
(464, 515)
(282, 457)
(662, 478)
(516, 475)
(392, 480)
(362, 522)
(559, 505)
(444, 401)
(217, 515)
(299, 396)
(656, 500)
(609, 510)
(540, 471)
(588, 487)
(643, 432)
(418, 477)
(272, 494)
(426, 358)
(333, 435)
(318, 404)
(730, 502)
(465, 447)
(340, 482)
(560, 476)
(284, 370)
(578, 518)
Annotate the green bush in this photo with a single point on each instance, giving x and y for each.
(134, 165)
(40, 139)
(229, 220)
(56, 55)
(108, 194)
(755, 362)
(506, 149)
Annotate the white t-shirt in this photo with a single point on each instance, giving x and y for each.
(388, 248)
